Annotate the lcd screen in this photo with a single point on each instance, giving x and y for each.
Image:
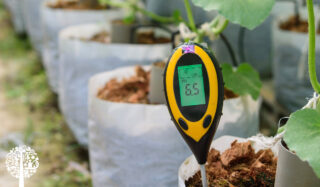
(191, 85)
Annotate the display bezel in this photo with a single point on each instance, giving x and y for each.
(194, 112)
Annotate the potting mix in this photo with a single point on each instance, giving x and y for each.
(74, 5)
(132, 90)
(238, 166)
(147, 37)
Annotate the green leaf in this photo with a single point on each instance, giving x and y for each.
(176, 16)
(318, 106)
(247, 13)
(243, 80)
(303, 136)
(130, 18)
(281, 129)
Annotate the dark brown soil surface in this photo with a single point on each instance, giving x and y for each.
(131, 90)
(228, 94)
(238, 166)
(160, 64)
(102, 37)
(135, 89)
(296, 24)
(118, 22)
(142, 38)
(148, 37)
(74, 5)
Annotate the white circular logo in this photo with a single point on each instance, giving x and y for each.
(22, 162)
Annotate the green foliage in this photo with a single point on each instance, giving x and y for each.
(243, 80)
(247, 13)
(303, 136)
(176, 16)
(130, 18)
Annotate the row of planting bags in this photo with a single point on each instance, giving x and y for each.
(137, 144)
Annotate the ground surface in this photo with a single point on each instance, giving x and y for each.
(29, 115)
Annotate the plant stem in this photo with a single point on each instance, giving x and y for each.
(223, 26)
(153, 16)
(190, 16)
(312, 48)
(230, 49)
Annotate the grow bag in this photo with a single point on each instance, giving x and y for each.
(53, 20)
(291, 170)
(190, 166)
(167, 7)
(16, 13)
(256, 44)
(131, 144)
(138, 145)
(291, 89)
(32, 17)
(80, 59)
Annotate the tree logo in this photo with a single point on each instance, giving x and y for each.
(22, 162)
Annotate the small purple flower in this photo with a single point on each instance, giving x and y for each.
(188, 49)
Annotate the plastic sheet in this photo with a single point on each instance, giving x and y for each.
(81, 59)
(16, 12)
(54, 20)
(138, 145)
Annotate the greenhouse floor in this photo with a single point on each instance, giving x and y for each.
(29, 114)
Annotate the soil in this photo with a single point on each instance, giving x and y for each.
(296, 24)
(160, 64)
(148, 37)
(102, 37)
(142, 38)
(135, 89)
(238, 166)
(228, 94)
(118, 22)
(74, 5)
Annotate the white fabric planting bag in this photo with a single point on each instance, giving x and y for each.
(54, 20)
(32, 17)
(138, 144)
(81, 59)
(131, 144)
(16, 13)
(240, 117)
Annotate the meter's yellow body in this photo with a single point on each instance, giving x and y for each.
(194, 92)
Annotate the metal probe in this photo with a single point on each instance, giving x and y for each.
(203, 175)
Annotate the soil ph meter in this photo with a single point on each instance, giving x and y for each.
(194, 92)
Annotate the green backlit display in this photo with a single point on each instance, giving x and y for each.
(191, 85)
